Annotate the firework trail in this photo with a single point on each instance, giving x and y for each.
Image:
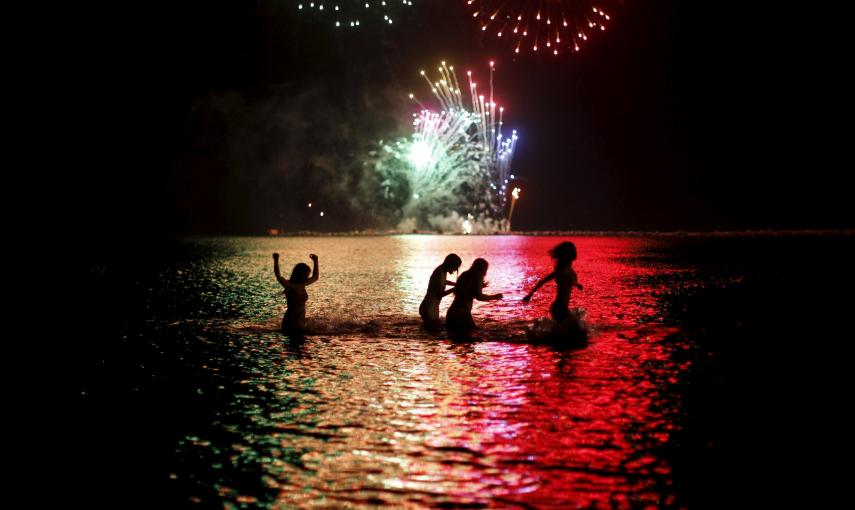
(356, 13)
(457, 161)
(551, 26)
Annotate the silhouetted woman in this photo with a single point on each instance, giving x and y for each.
(468, 288)
(429, 309)
(294, 321)
(565, 278)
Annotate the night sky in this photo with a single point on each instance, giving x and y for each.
(226, 117)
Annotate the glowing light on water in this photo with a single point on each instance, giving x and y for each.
(556, 26)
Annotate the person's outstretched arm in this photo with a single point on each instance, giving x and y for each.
(312, 279)
(545, 279)
(278, 274)
(486, 297)
(444, 292)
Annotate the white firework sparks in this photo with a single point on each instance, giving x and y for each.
(458, 160)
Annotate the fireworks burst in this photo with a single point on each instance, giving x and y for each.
(356, 13)
(551, 26)
(458, 160)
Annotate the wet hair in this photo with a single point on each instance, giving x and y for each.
(479, 266)
(300, 273)
(564, 252)
(475, 272)
(452, 262)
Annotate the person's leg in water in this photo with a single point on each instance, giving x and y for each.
(429, 313)
(559, 312)
(566, 324)
(292, 325)
(431, 326)
(459, 322)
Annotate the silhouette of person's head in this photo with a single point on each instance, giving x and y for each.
(300, 273)
(563, 253)
(471, 278)
(479, 267)
(451, 263)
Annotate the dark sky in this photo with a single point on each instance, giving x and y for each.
(224, 116)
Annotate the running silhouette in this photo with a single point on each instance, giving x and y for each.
(565, 278)
(429, 309)
(294, 321)
(469, 287)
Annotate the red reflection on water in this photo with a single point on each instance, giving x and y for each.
(418, 421)
(613, 292)
(580, 427)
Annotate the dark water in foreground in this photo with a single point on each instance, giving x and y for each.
(187, 395)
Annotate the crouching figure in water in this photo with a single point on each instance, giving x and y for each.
(294, 321)
(429, 309)
(469, 287)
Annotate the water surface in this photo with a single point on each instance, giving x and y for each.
(373, 411)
